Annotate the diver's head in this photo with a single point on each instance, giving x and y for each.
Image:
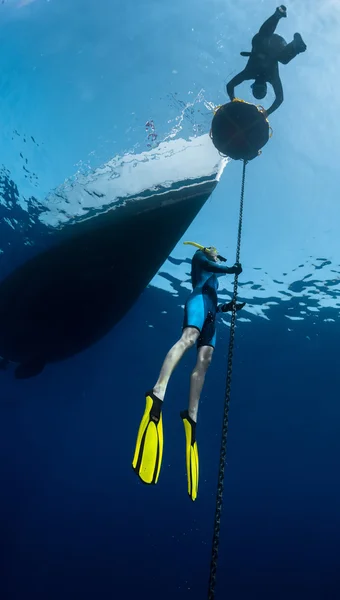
(212, 253)
(259, 89)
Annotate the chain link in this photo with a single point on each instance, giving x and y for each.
(223, 450)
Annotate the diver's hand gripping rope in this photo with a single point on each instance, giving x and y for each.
(223, 451)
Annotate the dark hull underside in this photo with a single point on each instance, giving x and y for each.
(68, 297)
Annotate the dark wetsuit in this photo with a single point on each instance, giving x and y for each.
(201, 306)
(268, 49)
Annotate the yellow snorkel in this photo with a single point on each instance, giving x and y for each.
(204, 248)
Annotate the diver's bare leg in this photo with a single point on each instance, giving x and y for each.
(189, 338)
(204, 357)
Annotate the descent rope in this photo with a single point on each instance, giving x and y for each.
(223, 450)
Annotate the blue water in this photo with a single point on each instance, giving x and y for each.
(79, 80)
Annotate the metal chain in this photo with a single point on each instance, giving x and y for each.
(223, 451)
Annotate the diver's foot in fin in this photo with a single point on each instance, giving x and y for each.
(281, 11)
(191, 454)
(299, 43)
(148, 454)
(29, 369)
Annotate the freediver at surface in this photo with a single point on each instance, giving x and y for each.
(268, 49)
(198, 327)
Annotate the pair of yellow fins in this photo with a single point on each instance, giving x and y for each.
(147, 460)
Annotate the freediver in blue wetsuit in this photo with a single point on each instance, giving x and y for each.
(198, 327)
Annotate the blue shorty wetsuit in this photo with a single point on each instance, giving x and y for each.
(201, 306)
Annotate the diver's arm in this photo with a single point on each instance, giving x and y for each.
(278, 90)
(235, 81)
(212, 267)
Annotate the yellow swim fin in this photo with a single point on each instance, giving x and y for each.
(147, 459)
(191, 452)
